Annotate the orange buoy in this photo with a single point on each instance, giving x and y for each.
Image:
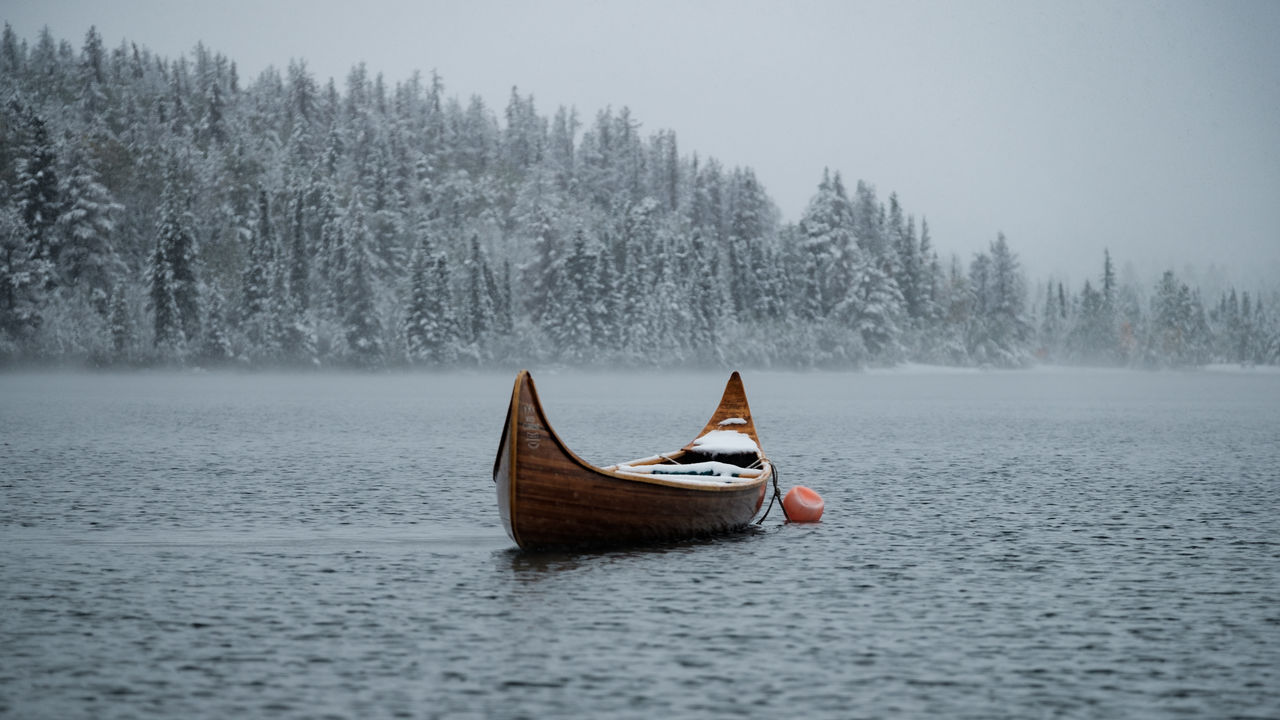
(802, 505)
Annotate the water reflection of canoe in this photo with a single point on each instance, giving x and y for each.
(550, 498)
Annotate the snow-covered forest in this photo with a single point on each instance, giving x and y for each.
(167, 211)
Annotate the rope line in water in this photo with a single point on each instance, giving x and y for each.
(777, 495)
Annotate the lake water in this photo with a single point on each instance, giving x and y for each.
(1049, 543)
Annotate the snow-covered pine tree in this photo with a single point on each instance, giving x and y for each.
(1050, 324)
(174, 286)
(332, 243)
(909, 270)
(479, 311)
(92, 95)
(873, 307)
(750, 220)
(446, 331)
(167, 336)
(497, 300)
(706, 304)
(212, 128)
(664, 170)
(668, 316)
(561, 150)
(504, 301)
(39, 201)
(291, 338)
(121, 325)
(977, 328)
(362, 327)
(430, 328)
(417, 318)
(299, 257)
(1178, 334)
(1108, 281)
(896, 245)
(523, 140)
(867, 225)
(1087, 340)
(88, 259)
(826, 232)
(215, 345)
(572, 330)
(605, 300)
(951, 340)
(12, 55)
(536, 212)
(1007, 329)
(706, 212)
(20, 292)
(256, 281)
(927, 279)
(636, 250)
(1245, 343)
(809, 291)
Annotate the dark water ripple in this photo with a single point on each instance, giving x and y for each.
(995, 545)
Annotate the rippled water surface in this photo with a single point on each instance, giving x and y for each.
(1038, 544)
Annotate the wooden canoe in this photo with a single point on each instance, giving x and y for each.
(550, 498)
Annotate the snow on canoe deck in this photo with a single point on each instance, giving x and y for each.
(702, 473)
(726, 442)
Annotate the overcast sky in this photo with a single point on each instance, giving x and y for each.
(1150, 128)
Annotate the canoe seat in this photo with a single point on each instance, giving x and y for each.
(742, 460)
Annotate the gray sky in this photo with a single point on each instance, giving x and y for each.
(1150, 128)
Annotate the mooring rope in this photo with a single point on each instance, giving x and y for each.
(777, 495)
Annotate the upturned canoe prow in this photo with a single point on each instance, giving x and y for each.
(733, 407)
(549, 497)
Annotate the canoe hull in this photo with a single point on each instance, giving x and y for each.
(550, 498)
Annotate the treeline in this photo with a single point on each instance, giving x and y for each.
(162, 211)
(1118, 324)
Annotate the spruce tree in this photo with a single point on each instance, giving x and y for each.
(873, 308)
(174, 293)
(926, 280)
(705, 304)
(167, 327)
(826, 232)
(417, 318)
(503, 303)
(362, 326)
(39, 201)
(479, 311)
(443, 331)
(605, 321)
(12, 54)
(121, 325)
(572, 331)
(299, 258)
(911, 270)
(215, 345)
(20, 291)
(186, 284)
(88, 259)
(256, 279)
